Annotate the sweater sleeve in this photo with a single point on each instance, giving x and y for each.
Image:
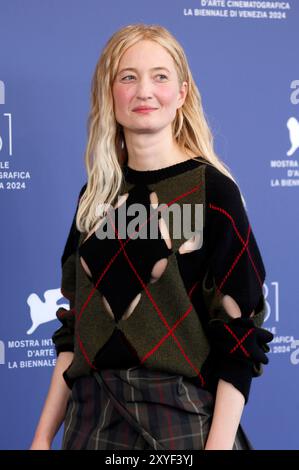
(236, 269)
(63, 337)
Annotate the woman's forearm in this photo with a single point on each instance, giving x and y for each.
(227, 414)
(229, 401)
(54, 409)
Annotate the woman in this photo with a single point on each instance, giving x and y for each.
(163, 334)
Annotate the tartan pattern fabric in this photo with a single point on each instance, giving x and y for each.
(139, 409)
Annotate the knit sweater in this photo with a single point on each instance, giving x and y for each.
(169, 327)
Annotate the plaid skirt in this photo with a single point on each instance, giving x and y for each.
(139, 409)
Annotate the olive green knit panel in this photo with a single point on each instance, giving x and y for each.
(183, 350)
(176, 192)
(93, 325)
(68, 278)
(162, 304)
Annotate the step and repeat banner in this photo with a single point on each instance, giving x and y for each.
(244, 59)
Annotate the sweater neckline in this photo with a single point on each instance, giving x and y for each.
(153, 176)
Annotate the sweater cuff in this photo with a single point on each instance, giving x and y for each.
(64, 348)
(238, 373)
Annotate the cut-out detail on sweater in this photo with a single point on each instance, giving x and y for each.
(166, 299)
(124, 264)
(194, 243)
(159, 267)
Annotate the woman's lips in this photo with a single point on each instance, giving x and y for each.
(143, 110)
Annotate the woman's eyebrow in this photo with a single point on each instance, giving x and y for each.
(135, 70)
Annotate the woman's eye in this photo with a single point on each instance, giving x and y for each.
(162, 75)
(128, 76)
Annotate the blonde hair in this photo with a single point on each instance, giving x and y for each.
(106, 149)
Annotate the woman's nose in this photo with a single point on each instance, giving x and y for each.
(144, 89)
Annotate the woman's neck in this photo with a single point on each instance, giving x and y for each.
(154, 151)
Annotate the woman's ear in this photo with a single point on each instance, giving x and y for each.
(182, 94)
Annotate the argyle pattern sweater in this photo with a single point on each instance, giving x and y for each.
(169, 327)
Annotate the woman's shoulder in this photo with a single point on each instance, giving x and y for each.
(219, 181)
(74, 234)
(221, 189)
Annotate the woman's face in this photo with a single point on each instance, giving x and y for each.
(150, 80)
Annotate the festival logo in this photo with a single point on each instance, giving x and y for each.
(11, 179)
(2, 352)
(239, 9)
(38, 352)
(44, 311)
(293, 126)
(285, 172)
(283, 343)
(2, 92)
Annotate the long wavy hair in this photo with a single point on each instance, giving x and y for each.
(106, 150)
